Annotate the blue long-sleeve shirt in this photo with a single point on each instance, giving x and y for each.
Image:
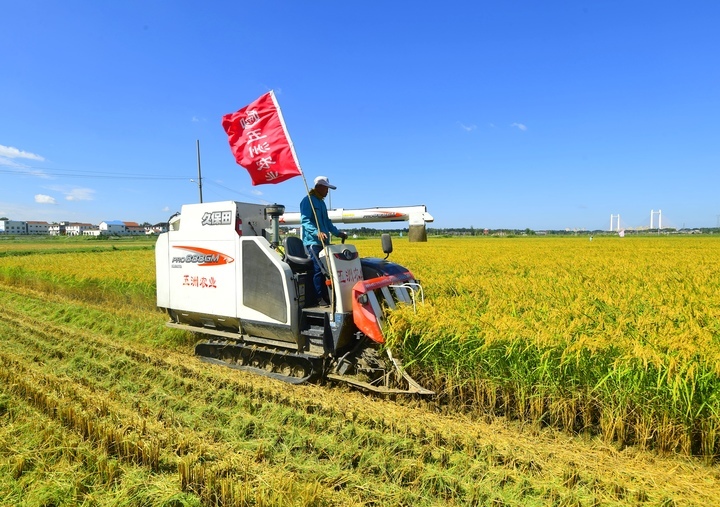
(309, 227)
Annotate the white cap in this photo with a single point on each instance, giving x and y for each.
(322, 180)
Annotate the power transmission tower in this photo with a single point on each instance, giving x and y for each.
(612, 221)
(659, 214)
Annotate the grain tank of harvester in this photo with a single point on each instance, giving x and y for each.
(221, 274)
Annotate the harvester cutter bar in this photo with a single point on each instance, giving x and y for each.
(381, 383)
(414, 388)
(376, 389)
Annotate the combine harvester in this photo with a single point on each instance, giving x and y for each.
(219, 276)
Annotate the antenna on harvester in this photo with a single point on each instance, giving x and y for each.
(197, 144)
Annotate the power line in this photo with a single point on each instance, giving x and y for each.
(71, 173)
(39, 172)
(255, 197)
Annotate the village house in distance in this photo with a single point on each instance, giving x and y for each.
(108, 228)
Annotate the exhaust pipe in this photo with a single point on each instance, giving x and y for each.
(275, 211)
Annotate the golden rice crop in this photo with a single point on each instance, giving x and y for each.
(620, 335)
(113, 276)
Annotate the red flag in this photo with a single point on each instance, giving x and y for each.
(260, 142)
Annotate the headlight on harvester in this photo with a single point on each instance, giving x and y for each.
(362, 299)
(346, 255)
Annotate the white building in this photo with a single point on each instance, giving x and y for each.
(107, 228)
(36, 227)
(76, 228)
(157, 228)
(112, 227)
(92, 231)
(13, 227)
(57, 229)
(134, 229)
(120, 228)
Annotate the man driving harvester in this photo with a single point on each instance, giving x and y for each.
(316, 229)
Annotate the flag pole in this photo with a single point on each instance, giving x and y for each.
(307, 191)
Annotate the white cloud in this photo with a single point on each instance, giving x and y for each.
(468, 128)
(166, 209)
(44, 199)
(80, 194)
(10, 152)
(519, 125)
(73, 194)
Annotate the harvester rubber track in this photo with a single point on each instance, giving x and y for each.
(288, 366)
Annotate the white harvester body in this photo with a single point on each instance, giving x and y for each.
(218, 275)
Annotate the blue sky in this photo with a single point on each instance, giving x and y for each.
(498, 114)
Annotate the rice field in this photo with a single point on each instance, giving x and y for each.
(570, 372)
(617, 336)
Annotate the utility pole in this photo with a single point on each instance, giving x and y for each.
(197, 144)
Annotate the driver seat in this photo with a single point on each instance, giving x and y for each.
(295, 255)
